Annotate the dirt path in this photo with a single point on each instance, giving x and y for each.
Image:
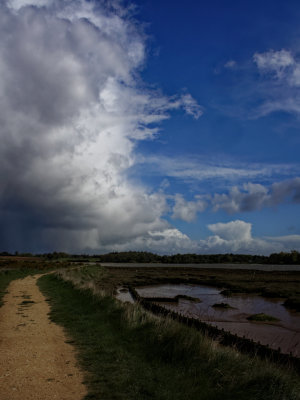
(36, 363)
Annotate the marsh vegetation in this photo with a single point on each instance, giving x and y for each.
(130, 353)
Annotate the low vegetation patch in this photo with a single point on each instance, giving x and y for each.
(128, 353)
(189, 298)
(222, 305)
(173, 299)
(161, 299)
(261, 317)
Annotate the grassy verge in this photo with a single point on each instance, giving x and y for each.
(129, 354)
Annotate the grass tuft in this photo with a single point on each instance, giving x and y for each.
(261, 317)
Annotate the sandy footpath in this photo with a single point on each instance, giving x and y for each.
(36, 363)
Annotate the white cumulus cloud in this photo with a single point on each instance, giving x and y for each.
(236, 237)
(187, 210)
(234, 230)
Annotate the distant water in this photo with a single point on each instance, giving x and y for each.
(261, 267)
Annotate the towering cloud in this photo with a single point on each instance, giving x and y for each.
(72, 107)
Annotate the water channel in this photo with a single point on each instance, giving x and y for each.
(284, 333)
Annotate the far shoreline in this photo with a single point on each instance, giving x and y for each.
(257, 267)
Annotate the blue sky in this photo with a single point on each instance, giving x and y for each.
(148, 125)
(207, 49)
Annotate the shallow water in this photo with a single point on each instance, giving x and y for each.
(284, 334)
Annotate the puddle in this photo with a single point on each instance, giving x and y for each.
(284, 334)
(124, 295)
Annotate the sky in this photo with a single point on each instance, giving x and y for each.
(162, 126)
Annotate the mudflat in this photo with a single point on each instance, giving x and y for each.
(36, 362)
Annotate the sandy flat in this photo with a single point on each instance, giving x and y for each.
(36, 363)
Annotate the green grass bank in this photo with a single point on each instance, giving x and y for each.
(128, 353)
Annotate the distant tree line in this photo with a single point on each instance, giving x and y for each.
(292, 257)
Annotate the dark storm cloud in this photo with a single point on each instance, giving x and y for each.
(71, 109)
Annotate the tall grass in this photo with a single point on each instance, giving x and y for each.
(129, 353)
